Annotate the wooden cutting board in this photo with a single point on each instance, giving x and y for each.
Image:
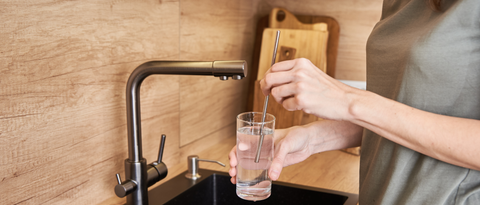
(293, 43)
(281, 18)
(297, 40)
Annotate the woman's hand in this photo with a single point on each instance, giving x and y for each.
(233, 164)
(291, 146)
(299, 85)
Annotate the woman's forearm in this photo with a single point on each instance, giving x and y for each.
(450, 139)
(333, 135)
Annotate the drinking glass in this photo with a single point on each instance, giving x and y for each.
(253, 182)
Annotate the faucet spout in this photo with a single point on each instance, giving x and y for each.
(135, 164)
(235, 69)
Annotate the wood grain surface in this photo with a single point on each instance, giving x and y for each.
(63, 72)
(212, 30)
(282, 18)
(310, 44)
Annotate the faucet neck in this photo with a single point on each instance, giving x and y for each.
(215, 68)
(133, 95)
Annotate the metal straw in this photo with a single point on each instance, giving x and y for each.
(260, 142)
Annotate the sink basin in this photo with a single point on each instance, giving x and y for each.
(215, 188)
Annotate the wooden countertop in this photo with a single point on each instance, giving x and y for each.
(336, 170)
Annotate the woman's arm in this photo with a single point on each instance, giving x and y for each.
(450, 139)
(299, 85)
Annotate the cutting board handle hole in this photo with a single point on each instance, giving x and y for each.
(281, 15)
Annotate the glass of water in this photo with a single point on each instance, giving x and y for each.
(253, 182)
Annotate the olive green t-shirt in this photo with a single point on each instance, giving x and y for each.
(429, 60)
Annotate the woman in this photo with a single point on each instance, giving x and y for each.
(418, 123)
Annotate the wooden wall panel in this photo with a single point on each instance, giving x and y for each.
(208, 105)
(64, 67)
(212, 30)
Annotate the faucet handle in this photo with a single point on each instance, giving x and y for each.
(160, 151)
(192, 161)
(122, 189)
(157, 170)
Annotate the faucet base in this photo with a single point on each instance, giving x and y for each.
(133, 172)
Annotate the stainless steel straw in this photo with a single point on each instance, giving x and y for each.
(260, 142)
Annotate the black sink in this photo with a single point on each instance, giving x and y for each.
(215, 188)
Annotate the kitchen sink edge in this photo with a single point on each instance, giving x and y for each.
(176, 191)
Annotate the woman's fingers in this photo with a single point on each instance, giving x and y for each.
(233, 165)
(275, 169)
(294, 103)
(273, 80)
(283, 92)
(281, 151)
(283, 66)
(278, 74)
(287, 72)
(233, 156)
